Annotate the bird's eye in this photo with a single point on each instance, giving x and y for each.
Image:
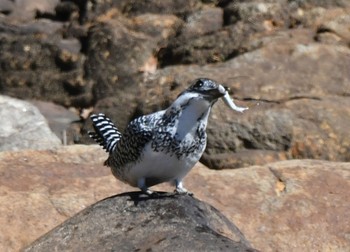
(198, 84)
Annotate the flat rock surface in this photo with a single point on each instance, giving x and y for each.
(284, 206)
(136, 222)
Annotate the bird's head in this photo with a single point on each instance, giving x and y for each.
(207, 92)
(205, 89)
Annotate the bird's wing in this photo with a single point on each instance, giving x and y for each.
(144, 125)
(139, 132)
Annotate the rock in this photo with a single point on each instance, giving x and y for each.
(134, 8)
(296, 205)
(60, 120)
(339, 25)
(212, 47)
(322, 3)
(203, 22)
(42, 66)
(293, 108)
(132, 221)
(118, 49)
(27, 10)
(304, 201)
(259, 14)
(49, 185)
(23, 127)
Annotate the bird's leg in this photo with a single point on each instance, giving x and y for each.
(180, 189)
(141, 183)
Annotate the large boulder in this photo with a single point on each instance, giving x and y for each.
(304, 201)
(41, 189)
(296, 101)
(294, 205)
(24, 127)
(103, 56)
(133, 221)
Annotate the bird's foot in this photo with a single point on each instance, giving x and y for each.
(141, 183)
(182, 191)
(149, 192)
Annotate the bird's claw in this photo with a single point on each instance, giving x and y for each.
(183, 191)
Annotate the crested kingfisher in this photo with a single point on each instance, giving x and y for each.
(165, 145)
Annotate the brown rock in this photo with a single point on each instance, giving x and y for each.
(291, 89)
(118, 48)
(290, 205)
(41, 189)
(339, 25)
(297, 205)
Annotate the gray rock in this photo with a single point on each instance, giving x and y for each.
(203, 22)
(135, 222)
(60, 120)
(23, 127)
(28, 10)
(42, 66)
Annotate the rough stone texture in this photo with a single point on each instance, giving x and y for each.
(296, 205)
(40, 65)
(39, 190)
(24, 127)
(111, 56)
(23, 10)
(297, 102)
(133, 221)
(134, 7)
(119, 49)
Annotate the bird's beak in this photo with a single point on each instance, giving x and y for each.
(218, 92)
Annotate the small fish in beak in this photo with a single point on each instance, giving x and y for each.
(229, 102)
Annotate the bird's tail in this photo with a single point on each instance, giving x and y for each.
(106, 133)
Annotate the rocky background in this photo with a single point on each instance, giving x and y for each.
(288, 60)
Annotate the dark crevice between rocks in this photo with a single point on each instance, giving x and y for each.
(82, 5)
(249, 145)
(5, 12)
(234, 54)
(65, 10)
(280, 101)
(84, 42)
(45, 15)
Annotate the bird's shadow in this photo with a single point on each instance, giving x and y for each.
(139, 196)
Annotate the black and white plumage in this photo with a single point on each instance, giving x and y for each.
(163, 146)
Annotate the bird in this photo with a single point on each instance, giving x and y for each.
(165, 145)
